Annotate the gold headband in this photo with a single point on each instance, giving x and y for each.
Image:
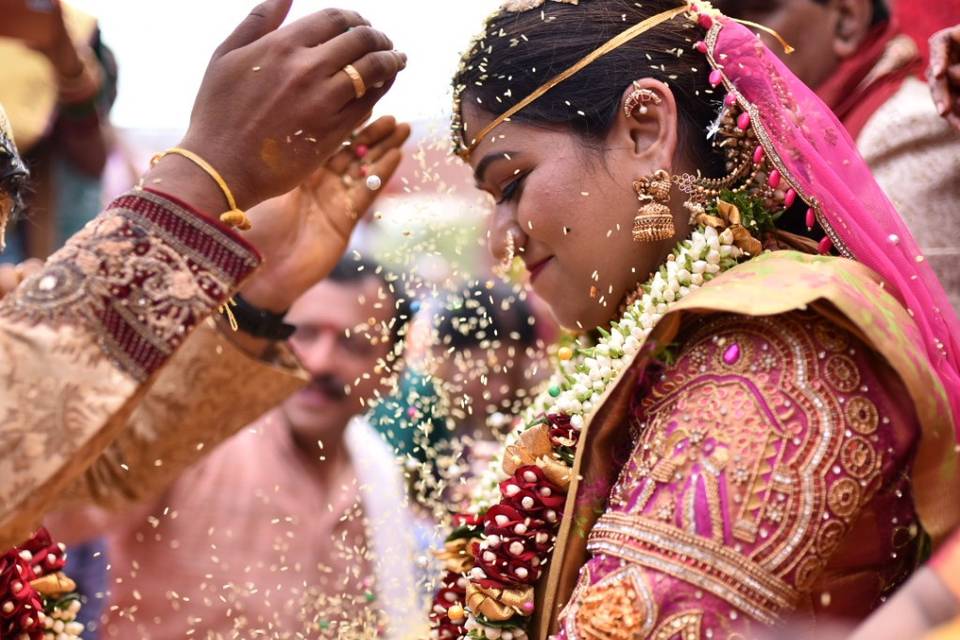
(614, 43)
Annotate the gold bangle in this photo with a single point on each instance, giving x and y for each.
(234, 217)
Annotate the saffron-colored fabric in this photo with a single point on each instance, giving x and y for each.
(794, 446)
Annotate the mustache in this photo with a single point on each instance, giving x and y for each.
(330, 385)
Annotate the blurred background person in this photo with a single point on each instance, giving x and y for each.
(58, 82)
(944, 73)
(297, 526)
(866, 60)
(475, 356)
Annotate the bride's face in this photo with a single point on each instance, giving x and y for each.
(570, 208)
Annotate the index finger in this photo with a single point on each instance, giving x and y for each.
(321, 26)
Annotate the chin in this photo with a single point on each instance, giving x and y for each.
(582, 318)
(309, 424)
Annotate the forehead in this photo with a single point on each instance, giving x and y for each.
(343, 304)
(513, 135)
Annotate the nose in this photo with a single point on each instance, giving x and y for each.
(317, 355)
(506, 240)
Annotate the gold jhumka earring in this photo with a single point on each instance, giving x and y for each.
(654, 221)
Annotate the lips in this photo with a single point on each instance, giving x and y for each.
(537, 268)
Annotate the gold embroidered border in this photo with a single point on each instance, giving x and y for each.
(694, 559)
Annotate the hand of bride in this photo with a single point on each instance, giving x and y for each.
(303, 234)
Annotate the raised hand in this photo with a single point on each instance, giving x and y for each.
(944, 73)
(307, 230)
(275, 103)
(40, 25)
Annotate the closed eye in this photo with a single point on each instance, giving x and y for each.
(512, 190)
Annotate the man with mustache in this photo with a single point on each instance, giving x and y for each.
(297, 525)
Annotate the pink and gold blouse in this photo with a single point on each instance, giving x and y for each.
(768, 470)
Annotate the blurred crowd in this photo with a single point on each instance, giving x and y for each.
(318, 518)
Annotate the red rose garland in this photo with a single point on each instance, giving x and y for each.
(32, 590)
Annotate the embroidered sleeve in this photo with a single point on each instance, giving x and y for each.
(755, 456)
(82, 337)
(210, 390)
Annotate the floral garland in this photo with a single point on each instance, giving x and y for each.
(36, 599)
(496, 555)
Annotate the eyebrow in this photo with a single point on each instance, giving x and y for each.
(481, 170)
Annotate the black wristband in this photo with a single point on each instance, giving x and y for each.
(260, 323)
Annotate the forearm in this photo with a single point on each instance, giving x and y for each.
(85, 335)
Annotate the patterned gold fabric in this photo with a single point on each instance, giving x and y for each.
(755, 455)
(84, 339)
(786, 460)
(208, 391)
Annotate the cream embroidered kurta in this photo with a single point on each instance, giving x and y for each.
(114, 377)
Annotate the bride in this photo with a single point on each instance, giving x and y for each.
(759, 415)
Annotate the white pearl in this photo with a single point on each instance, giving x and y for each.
(374, 182)
(893, 239)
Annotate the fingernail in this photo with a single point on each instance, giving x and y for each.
(943, 108)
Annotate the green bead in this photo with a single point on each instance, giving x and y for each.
(554, 391)
(370, 596)
(323, 624)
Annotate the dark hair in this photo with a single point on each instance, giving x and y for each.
(881, 13)
(479, 313)
(355, 268)
(518, 52)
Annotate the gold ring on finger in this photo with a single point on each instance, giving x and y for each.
(359, 86)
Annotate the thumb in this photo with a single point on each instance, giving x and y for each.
(265, 17)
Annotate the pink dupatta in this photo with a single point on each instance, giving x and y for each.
(814, 153)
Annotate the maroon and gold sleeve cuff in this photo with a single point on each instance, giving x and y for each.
(139, 277)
